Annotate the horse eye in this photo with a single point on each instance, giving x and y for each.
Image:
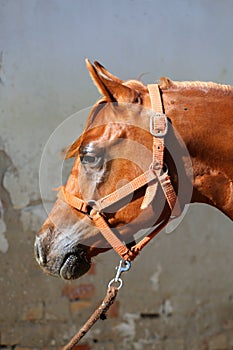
(91, 160)
(138, 100)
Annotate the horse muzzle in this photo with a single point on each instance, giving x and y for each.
(65, 262)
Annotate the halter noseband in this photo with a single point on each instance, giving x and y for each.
(152, 177)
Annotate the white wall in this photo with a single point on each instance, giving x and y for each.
(43, 80)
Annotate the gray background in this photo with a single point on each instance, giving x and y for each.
(185, 278)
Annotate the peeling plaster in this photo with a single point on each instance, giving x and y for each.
(141, 343)
(11, 182)
(166, 309)
(127, 329)
(155, 278)
(2, 74)
(4, 245)
(32, 217)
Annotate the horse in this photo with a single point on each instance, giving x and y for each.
(145, 152)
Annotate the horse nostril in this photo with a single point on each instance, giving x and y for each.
(39, 252)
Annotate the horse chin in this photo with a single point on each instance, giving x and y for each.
(74, 265)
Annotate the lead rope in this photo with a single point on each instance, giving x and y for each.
(100, 312)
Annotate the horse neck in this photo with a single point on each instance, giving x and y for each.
(203, 117)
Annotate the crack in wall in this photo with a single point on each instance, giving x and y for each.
(9, 217)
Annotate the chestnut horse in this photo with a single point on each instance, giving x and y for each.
(116, 148)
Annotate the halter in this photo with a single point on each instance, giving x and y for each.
(152, 177)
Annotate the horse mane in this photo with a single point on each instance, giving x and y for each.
(166, 83)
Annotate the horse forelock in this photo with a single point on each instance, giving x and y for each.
(72, 150)
(135, 84)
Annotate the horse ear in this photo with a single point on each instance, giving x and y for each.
(106, 73)
(109, 85)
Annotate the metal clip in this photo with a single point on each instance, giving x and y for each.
(120, 269)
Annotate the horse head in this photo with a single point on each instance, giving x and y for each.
(114, 149)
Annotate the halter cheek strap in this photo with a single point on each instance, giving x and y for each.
(152, 177)
(159, 128)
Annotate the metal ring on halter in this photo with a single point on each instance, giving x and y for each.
(91, 207)
(114, 281)
(91, 203)
(157, 166)
(154, 166)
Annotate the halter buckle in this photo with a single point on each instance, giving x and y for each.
(158, 124)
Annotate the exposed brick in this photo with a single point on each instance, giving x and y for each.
(80, 291)
(77, 306)
(33, 312)
(92, 270)
(113, 311)
(228, 324)
(218, 342)
(21, 348)
(76, 347)
(196, 344)
(204, 344)
(82, 347)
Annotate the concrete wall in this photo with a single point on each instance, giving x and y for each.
(179, 294)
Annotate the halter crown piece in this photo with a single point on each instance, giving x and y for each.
(152, 178)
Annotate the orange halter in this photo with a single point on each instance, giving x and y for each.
(152, 177)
